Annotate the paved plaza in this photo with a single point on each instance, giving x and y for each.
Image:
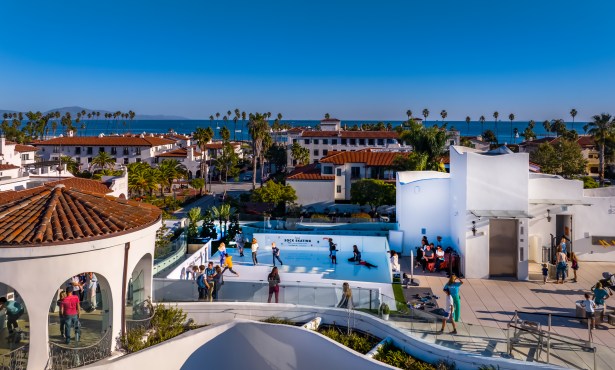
(488, 305)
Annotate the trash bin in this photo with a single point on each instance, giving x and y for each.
(580, 310)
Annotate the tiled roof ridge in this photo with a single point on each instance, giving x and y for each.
(51, 205)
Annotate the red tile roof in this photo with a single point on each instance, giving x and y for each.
(367, 156)
(294, 130)
(47, 216)
(218, 145)
(25, 148)
(82, 184)
(352, 134)
(7, 167)
(330, 120)
(107, 141)
(309, 172)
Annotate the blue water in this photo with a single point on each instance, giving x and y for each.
(503, 130)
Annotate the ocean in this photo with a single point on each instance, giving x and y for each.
(239, 131)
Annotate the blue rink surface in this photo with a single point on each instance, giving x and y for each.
(318, 262)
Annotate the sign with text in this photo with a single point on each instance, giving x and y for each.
(604, 241)
(298, 241)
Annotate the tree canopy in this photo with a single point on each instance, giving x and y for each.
(374, 193)
(430, 141)
(563, 158)
(273, 192)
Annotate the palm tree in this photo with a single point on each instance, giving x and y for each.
(409, 114)
(258, 129)
(327, 116)
(482, 124)
(443, 114)
(425, 114)
(602, 129)
(103, 160)
(198, 183)
(170, 170)
(223, 214)
(142, 178)
(71, 165)
(300, 154)
(235, 119)
(495, 116)
(573, 113)
(429, 141)
(511, 117)
(547, 125)
(468, 120)
(211, 121)
(202, 137)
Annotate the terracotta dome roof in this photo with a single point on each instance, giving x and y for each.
(58, 215)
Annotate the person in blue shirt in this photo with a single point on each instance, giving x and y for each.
(453, 285)
(14, 310)
(600, 294)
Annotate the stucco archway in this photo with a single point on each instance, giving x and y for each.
(139, 289)
(14, 340)
(96, 314)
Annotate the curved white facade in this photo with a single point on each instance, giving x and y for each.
(36, 273)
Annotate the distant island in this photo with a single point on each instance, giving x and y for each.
(74, 110)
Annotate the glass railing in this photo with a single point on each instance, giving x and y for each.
(310, 294)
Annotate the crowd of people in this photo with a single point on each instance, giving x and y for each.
(432, 257)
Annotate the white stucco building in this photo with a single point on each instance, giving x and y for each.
(499, 216)
(48, 234)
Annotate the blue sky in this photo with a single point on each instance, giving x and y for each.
(354, 59)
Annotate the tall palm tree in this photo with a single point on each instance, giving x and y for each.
(258, 129)
(202, 137)
(425, 114)
(235, 119)
(443, 114)
(211, 120)
(547, 125)
(511, 117)
(573, 113)
(482, 125)
(602, 129)
(495, 117)
(409, 114)
(243, 119)
(468, 120)
(300, 154)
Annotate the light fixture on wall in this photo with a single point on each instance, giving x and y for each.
(548, 215)
(474, 228)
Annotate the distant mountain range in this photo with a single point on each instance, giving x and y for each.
(74, 110)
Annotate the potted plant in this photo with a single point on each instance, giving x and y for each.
(385, 311)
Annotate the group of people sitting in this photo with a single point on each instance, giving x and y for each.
(431, 257)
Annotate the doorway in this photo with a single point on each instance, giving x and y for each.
(563, 228)
(503, 248)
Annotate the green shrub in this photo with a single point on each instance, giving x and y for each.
(356, 341)
(488, 367)
(385, 309)
(361, 215)
(391, 355)
(167, 322)
(278, 320)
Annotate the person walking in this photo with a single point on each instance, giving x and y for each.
(222, 252)
(449, 312)
(62, 318)
(274, 284)
(275, 251)
(254, 248)
(561, 263)
(453, 285)
(14, 310)
(590, 312)
(240, 242)
(70, 309)
(332, 246)
(346, 301)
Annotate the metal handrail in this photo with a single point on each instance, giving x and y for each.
(17, 359)
(64, 357)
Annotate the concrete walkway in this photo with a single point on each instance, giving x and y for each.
(488, 305)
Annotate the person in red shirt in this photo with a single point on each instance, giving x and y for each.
(69, 309)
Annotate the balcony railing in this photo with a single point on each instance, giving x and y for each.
(64, 357)
(15, 360)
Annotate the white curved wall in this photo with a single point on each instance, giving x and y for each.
(243, 344)
(37, 273)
